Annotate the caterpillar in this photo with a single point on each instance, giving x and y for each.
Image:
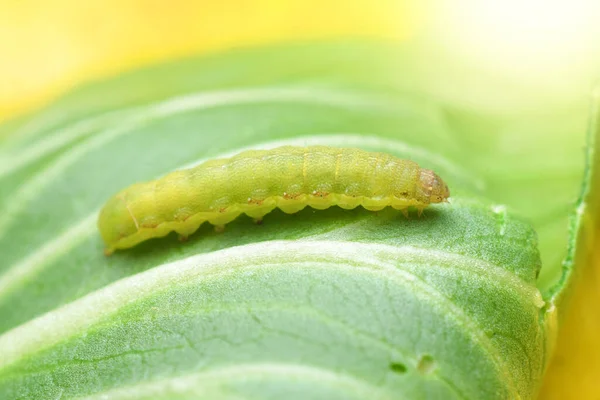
(257, 181)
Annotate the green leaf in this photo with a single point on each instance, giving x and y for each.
(320, 304)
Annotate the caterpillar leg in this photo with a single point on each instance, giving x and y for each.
(108, 252)
(224, 217)
(290, 206)
(257, 213)
(219, 228)
(420, 211)
(404, 212)
(374, 205)
(183, 232)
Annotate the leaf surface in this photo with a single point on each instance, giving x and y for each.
(322, 304)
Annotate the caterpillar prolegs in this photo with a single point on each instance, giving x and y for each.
(257, 181)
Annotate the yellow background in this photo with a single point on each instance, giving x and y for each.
(47, 47)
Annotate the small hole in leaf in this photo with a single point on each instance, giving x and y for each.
(426, 364)
(398, 368)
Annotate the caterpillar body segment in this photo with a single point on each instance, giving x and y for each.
(256, 182)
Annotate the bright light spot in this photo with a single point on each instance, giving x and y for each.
(535, 38)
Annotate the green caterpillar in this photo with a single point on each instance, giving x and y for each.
(257, 181)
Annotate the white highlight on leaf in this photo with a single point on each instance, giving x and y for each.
(139, 115)
(501, 215)
(34, 262)
(581, 209)
(78, 316)
(201, 383)
(47, 253)
(143, 115)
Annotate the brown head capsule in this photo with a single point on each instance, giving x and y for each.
(433, 187)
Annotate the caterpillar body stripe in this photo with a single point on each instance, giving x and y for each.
(257, 181)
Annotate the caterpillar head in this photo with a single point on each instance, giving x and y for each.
(433, 187)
